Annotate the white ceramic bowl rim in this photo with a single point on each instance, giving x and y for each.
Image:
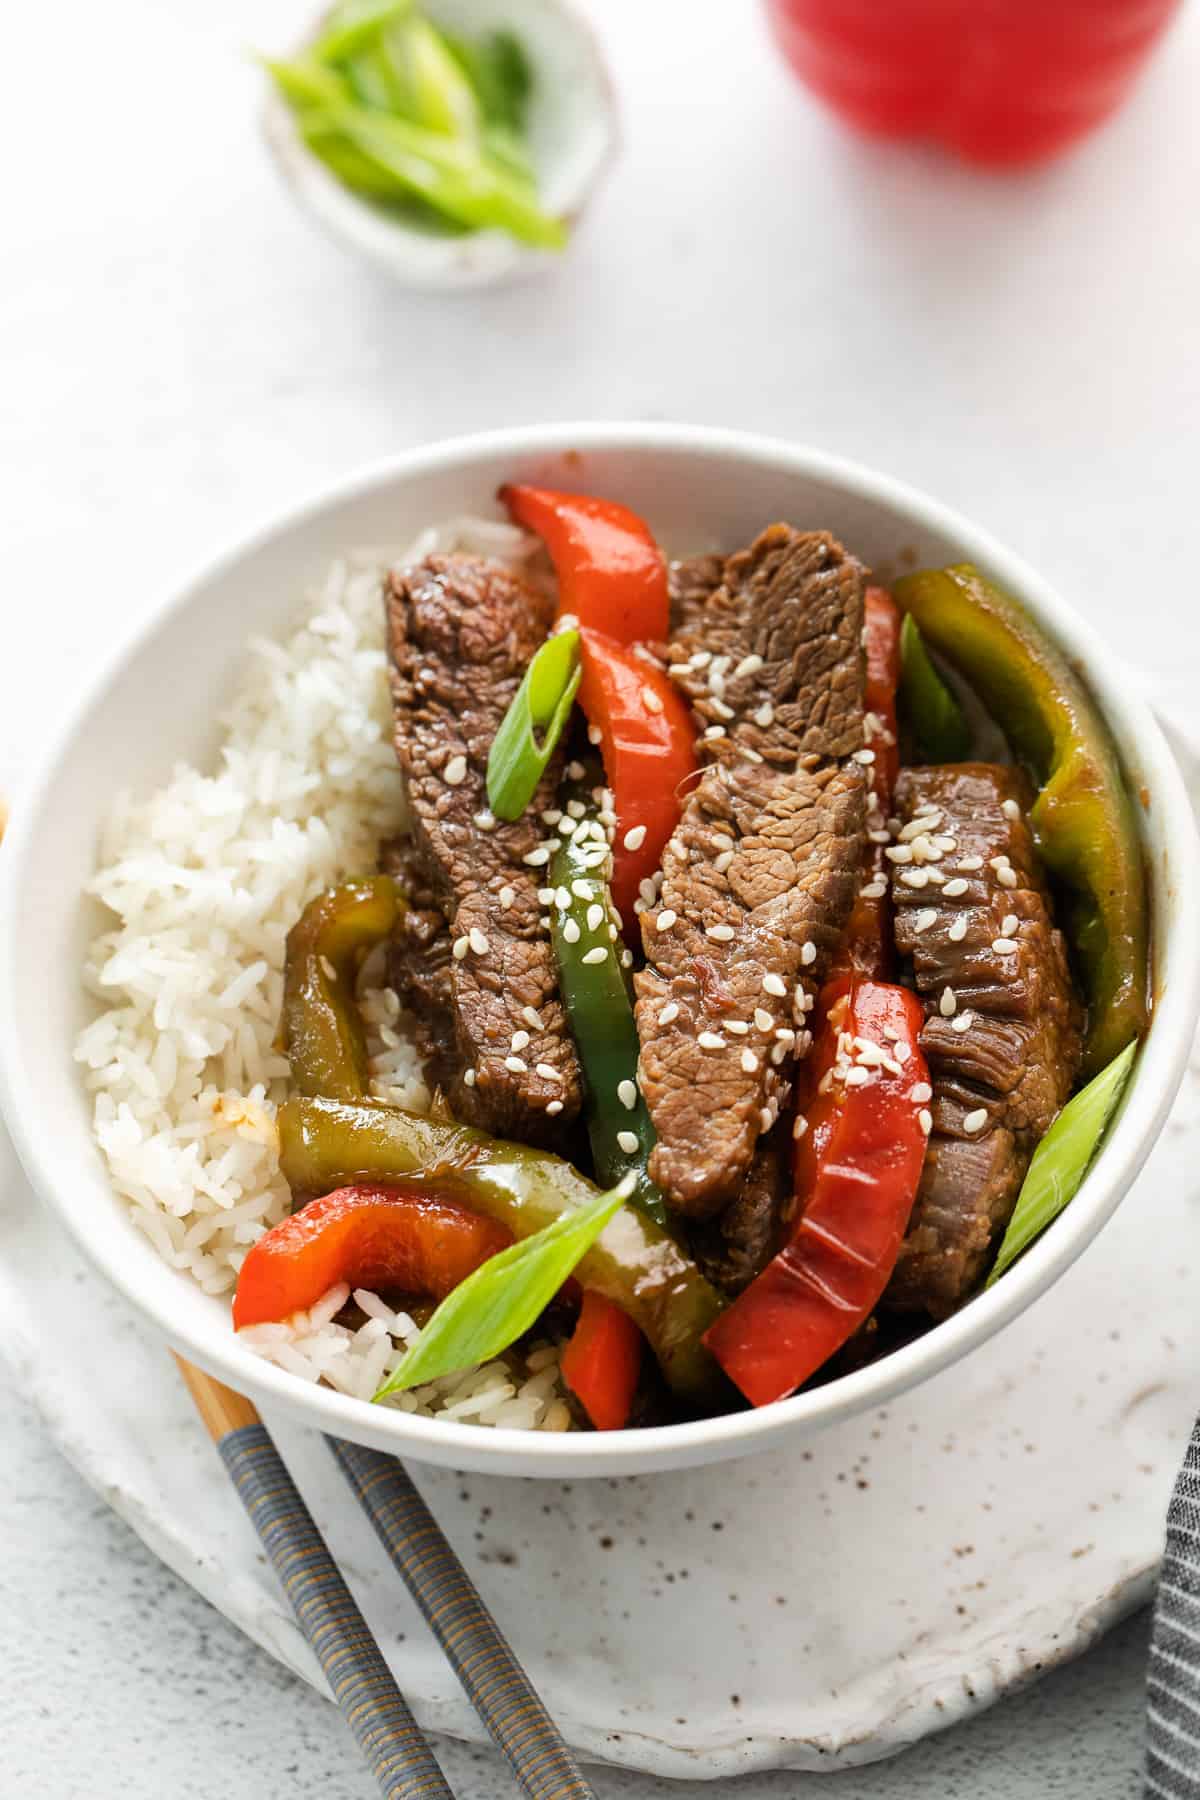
(1157, 1075)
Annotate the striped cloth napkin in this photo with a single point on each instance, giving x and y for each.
(1173, 1699)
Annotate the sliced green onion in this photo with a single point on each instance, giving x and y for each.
(492, 1308)
(499, 71)
(936, 721)
(542, 703)
(354, 24)
(433, 90)
(1061, 1160)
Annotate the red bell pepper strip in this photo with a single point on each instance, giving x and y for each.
(867, 945)
(370, 1236)
(857, 1169)
(647, 740)
(999, 83)
(611, 573)
(602, 1362)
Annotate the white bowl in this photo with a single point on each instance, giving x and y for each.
(572, 132)
(155, 703)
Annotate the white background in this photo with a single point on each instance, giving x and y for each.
(180, 352)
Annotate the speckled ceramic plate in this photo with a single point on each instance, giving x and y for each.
(803, 1609)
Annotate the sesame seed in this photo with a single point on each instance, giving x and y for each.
(595, 916)
(455, 771)
(766, 1118)
(808, 953)
(480, 942)
(921, 1092)
(552, 815)
(975, 1121)
(958, 930)
(627, 1094)
(665, 919)
(469, 1078)
(567, 827)
(328, 969)
(562, 899)
(634, 839)
(679, 669)
(532, 1017)
(598, 955)
(799, 1126)
(700, 659)
(948, 1004)
(915, 878)
(962, 1022)
(628, 1142)
(570, 931)
(486, 820)
(857, 1076)
(1006, 877)
(865, 757)
(627, 959)
(936, 877)
(971, 863)
(878, 835)
(554, 1106)
(670, 1011)
(520, 1040)
(899, 853)
(874, 890)
(765, 715)
(711, 1040)
(925, 918)
(1005, 946)
(721, 934)
(722, 862)
(461, 946)
(925, 1120)
(778, 1052)
(575, 771)
(714, 731)
(517, 1064)
(763, 1019)
(750, 755)
(544, 921)
(903, 1052)
(537, 858)
(594, 734)
(722, 840)
(1010, 809)
(651, 701)
(566, 622)
(738, 1027)
(506, 898)
(774, 984)
(749, 665)
(944, 844)
(749, 1061)
(954, 888)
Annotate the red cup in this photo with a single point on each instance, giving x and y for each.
(997, 81)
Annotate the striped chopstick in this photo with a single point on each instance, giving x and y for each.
(475, 1647)
(362, 1684)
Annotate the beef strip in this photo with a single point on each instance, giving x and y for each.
(1009, 1069)
(760, 874)
(461, 632)
(736, 1247)
(690, 585)
(420, 966)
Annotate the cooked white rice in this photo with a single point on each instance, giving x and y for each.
(206, 877)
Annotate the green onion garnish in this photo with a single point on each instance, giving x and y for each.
(542, 703)
(1061, 1160)
(935, 720)
(492, 1308)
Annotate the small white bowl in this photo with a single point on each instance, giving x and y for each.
(155, 704)
(573, 135)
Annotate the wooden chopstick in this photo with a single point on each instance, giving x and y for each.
(362, 1684)
(498, 1687)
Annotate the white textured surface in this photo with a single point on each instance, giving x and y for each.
(181, 352)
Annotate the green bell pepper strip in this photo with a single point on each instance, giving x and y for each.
(325, 1145)
(595, 993)
(1083, 817)
(932, 716)
(356, 25)
(323, 1033)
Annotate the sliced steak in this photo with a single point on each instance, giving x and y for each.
(420, 966)
(760, 874)
(690, 585)
(736, 1247)
(461, 632)
(1002, 1032)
